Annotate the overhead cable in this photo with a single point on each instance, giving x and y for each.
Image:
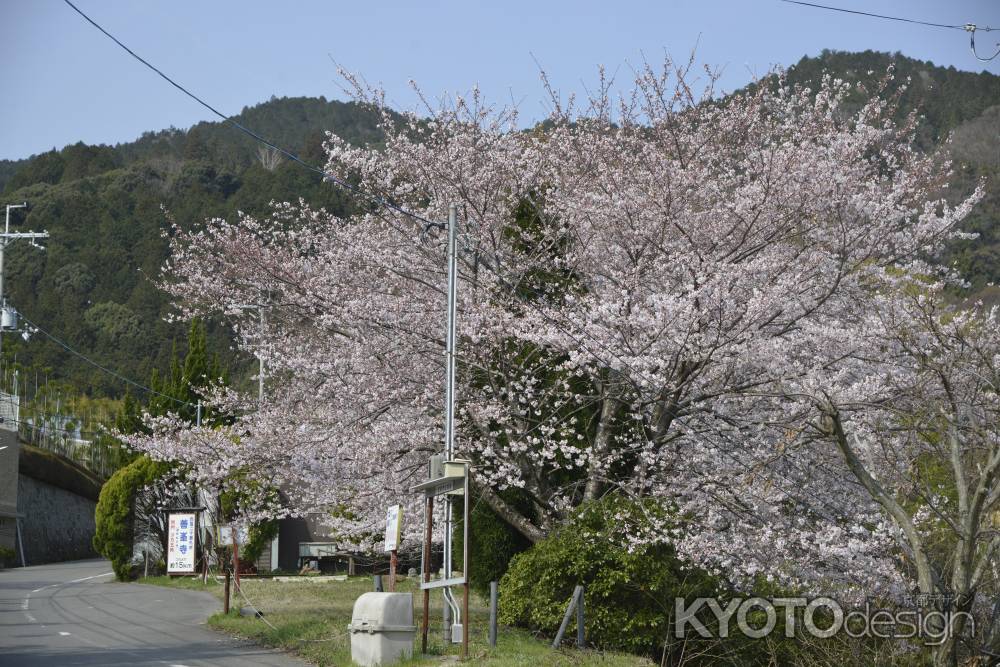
(93, 363)
(971, 28)
(375, 198)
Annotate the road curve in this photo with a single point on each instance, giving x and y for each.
(75, 614)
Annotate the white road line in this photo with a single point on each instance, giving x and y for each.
(26, 600)
(64, 634)
(76, 581)
(24, 608)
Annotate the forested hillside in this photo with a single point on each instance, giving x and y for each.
(107, 208)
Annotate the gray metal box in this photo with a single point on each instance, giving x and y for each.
(382, 628)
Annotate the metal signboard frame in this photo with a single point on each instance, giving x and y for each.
(431, 489)
(439, 487)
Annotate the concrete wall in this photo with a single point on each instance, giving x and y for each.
(57, 525)
(9, 449)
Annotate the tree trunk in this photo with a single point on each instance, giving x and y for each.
(517, 520)
(602, 442)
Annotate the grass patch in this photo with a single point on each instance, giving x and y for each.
(310, 619)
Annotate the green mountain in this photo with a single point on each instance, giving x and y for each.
(106, 210)
(104, 207)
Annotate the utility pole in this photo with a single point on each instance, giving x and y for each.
(6, 317)
(449, 411)
(260, 355)
(260, 360)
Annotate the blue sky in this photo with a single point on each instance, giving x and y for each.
(64, 82)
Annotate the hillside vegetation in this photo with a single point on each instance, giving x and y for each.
(108, 210)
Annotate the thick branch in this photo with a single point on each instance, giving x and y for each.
(924, 574)
(517, 520)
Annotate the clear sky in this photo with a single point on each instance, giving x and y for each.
(63, 82)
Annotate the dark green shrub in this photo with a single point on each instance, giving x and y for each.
(7, 556)
(630, 599)
(115, 514)
(492, 544)
(629, 591)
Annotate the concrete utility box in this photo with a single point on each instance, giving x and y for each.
(382, 628)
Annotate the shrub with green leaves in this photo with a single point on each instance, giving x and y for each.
(115, 514)
(630, 598)
(630, 590)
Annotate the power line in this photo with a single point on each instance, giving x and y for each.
(378, 199)
(93, 363)
(971, 28)
(972, 45)
(883, 16)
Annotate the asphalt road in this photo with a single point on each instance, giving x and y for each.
(75, 614)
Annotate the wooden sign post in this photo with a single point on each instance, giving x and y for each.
(233, 535)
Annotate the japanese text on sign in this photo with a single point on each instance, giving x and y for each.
(180, 543)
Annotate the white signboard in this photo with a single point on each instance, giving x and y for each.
(228, 531)
(180, 543)
(393, 527)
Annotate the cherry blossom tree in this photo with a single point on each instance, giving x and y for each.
(661, 292)
(914, 421)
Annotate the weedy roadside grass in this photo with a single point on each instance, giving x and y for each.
(310, 618)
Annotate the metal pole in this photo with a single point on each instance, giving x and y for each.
(225, 601)
(449, 421)
(493, 613)
(465, 618)
(20, 540)
(446, 619)
(580, 625)
(260, 358)
(3, 246)
(426, 567)
(378, 583)
(7, 238)
(567, 616)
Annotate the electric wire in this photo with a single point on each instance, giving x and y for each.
(878, 16)
(971, 28)
(257, 137)
(972, 45)
(93, 363)
(375, 198)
